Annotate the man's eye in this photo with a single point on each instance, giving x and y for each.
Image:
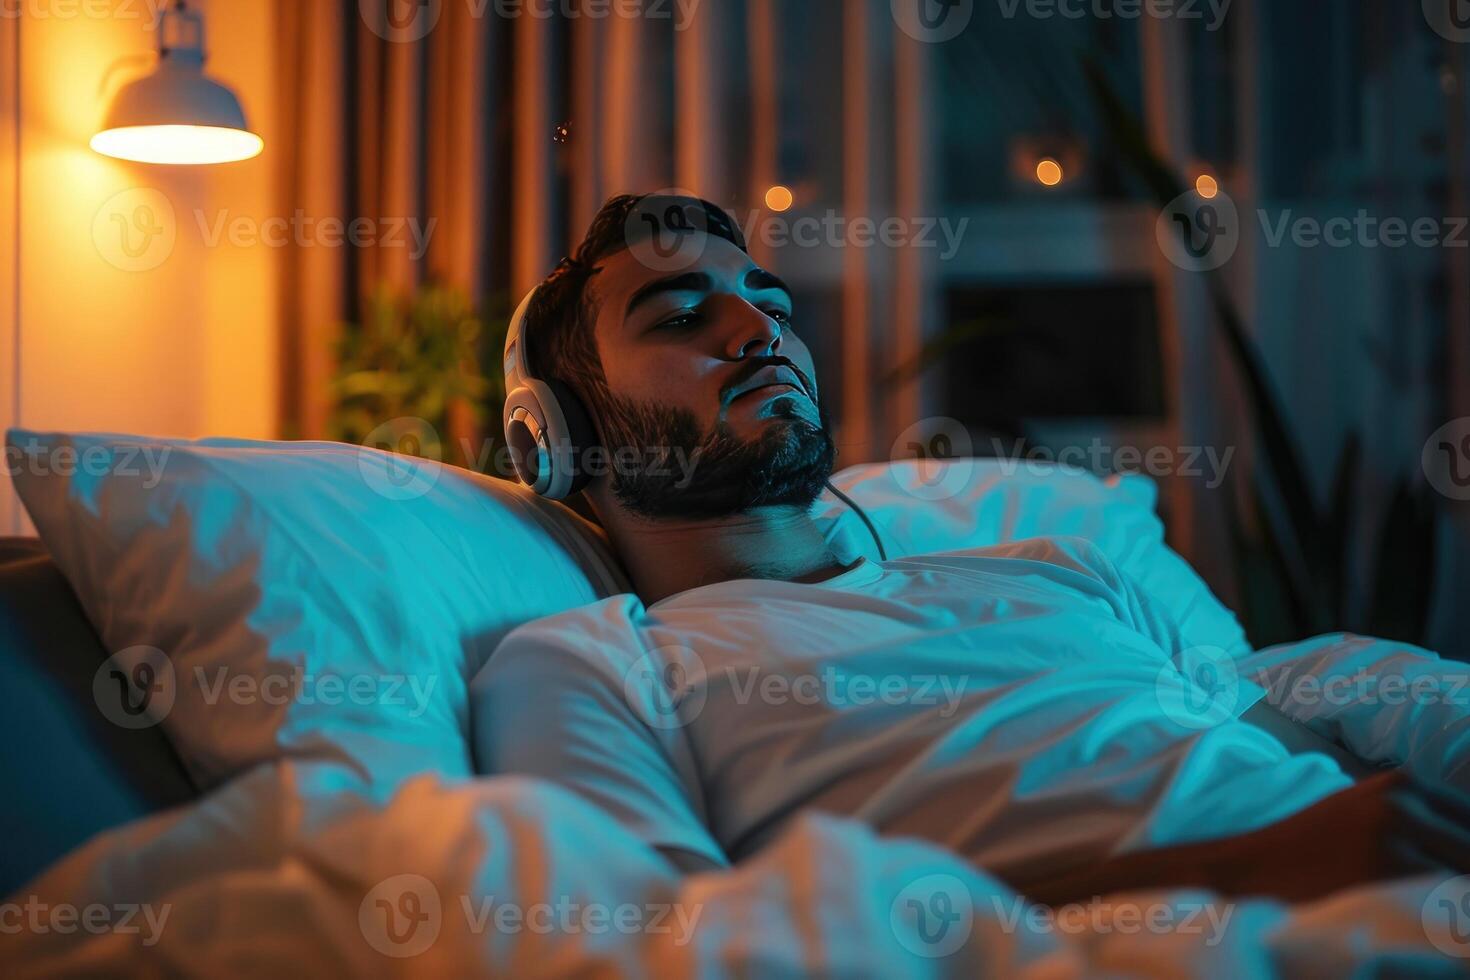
(685, 319)
(780, 316)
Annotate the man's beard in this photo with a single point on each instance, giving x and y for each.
(683, 472)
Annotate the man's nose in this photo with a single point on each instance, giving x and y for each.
(755, 334)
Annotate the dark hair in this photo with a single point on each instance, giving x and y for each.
(558, 328)
(559, 339)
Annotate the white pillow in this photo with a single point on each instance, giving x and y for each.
(311, 600)
(923, 507)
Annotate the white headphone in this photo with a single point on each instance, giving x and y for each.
(546, 426)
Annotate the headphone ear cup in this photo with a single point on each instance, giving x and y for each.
(580, 434)
(525, 424)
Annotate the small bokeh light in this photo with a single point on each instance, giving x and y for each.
(779, 198)
(1048, 172)
(1206, 186)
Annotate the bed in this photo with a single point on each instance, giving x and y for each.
(329, 839)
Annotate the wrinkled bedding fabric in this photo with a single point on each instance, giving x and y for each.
(506, 876)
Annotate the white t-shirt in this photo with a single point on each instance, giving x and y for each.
(1022, 705)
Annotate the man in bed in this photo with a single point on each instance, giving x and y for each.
(1014, 704)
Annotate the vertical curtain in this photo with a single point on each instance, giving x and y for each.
(397, 133)
(460, 125)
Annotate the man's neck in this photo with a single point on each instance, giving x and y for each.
(665, 557)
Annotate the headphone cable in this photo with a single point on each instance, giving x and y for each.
(882, 554)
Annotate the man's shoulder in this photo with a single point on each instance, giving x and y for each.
(1072, 553)
(596, 632)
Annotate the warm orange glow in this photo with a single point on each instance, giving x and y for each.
(178, 144)
(1207, 186)
(1049, 172)
(779, 198)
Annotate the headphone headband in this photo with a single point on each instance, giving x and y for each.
(517, 363)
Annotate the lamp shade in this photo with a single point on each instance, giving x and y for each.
(177, 114)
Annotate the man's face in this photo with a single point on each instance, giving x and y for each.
(703, 361)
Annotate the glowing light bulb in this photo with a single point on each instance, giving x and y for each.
(1048, 172)
(779, 198)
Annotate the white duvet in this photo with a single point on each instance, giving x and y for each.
(509, 877)
(288, 870)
